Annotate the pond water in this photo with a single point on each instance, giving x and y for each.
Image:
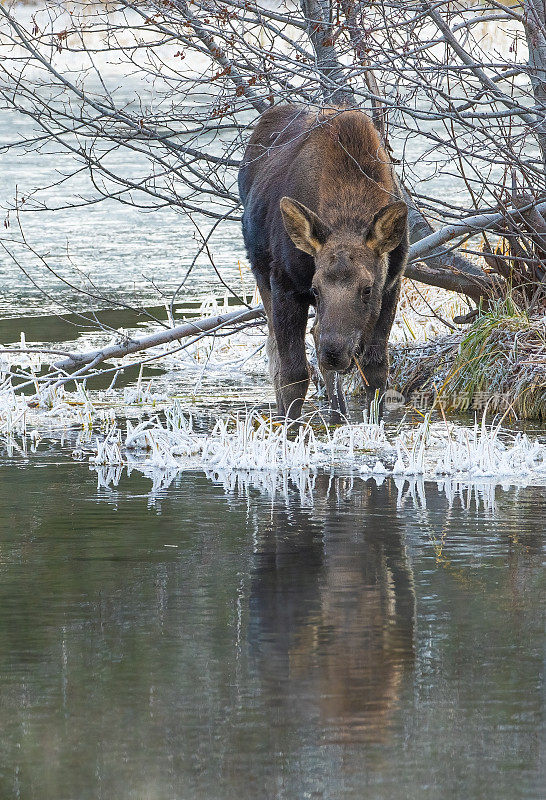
(356, 641)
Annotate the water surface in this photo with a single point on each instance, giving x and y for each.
(356, 640)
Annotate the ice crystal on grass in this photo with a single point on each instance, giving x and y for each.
(142, 393)
(250, 442)
(248, 445)
(108, 450)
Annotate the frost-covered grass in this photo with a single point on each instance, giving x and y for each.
(50, 413)
(249, 447)
(252, 443)
(480, 451)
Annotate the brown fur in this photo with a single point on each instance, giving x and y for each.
(315, 186)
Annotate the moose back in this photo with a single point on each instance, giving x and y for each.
(323, 225)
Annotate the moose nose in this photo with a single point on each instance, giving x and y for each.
(335, 354)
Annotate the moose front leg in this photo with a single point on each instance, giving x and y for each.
(289, 323)
(375, 366)
(271, 347)
(333, 384)
(375, 359)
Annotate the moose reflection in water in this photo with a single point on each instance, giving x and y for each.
(332, 608)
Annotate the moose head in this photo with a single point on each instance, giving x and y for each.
(351, 265)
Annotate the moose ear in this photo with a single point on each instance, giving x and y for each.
(304, 227)
(388, 227)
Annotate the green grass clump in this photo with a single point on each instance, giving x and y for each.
(500, 357)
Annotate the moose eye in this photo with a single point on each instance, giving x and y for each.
(315, 295)
(365, 294)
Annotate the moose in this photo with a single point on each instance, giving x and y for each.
(324, 225)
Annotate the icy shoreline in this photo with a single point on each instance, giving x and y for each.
(251, 442)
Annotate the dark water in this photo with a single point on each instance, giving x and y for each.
(216, 645)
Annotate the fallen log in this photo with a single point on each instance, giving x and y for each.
(129, 345)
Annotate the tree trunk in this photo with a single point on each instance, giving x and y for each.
(535, 32)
